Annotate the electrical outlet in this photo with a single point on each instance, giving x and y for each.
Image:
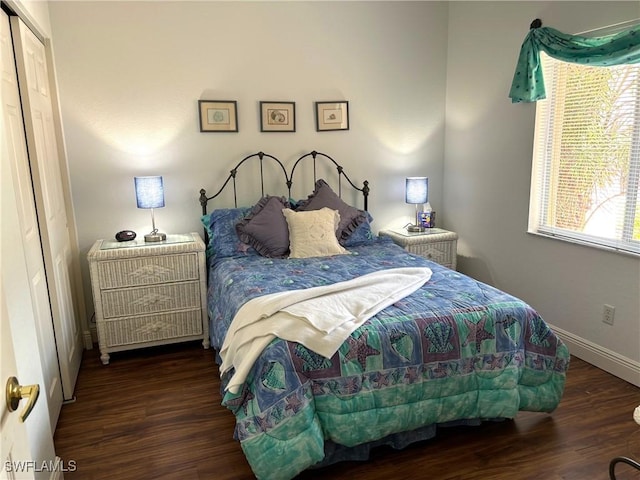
(608, 313)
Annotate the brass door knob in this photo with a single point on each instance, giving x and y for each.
(16, 392)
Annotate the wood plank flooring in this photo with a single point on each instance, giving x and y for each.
(155, 414)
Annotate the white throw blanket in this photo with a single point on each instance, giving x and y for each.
(320, 318)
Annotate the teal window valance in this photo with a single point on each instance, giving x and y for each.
(528, 83)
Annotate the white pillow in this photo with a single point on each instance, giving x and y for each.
(313, 233)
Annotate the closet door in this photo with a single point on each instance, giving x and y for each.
(28, 233)
(33, 79)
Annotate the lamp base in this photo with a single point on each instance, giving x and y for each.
(415, 228)
(155, 237)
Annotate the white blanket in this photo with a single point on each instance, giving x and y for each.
(320, 318)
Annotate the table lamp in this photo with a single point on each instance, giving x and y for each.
(417, 192)
(150, 194)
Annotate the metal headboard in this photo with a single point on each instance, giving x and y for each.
(261, 156)
(314, 155)
(232, 176)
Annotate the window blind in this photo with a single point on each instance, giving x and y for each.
(586, 161)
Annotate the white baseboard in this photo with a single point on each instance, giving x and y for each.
(88, 340)
(56, 473)
(603, 358)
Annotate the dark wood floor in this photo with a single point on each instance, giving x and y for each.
(155, 414)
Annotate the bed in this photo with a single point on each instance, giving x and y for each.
(452, 351)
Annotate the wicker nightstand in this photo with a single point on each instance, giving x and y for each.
(434, 244)
(149, 294)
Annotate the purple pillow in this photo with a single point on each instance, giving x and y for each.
(324, 196)
(265, 227)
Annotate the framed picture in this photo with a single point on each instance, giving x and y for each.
(218, 115)
(332, 116)
(277, 116)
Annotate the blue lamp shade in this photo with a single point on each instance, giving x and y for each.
(149, 192)
(417, 190)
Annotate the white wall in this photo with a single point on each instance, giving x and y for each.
(130, 75)
(487, 171)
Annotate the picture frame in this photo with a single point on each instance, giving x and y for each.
(331, 116)
(277, 116)
(218, 115)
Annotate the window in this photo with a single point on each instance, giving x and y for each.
(586, 160)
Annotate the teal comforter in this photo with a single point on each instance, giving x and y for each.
(455, 350)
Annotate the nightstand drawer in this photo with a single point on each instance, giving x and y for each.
(435, 244)
(439, 252)
(144, 300)
(152, 328)
(136, 271)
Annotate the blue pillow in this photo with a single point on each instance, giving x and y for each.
(362, 235)
(221, 228)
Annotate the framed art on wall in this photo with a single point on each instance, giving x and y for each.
(332, 116)
(277, 116)
(218, 115)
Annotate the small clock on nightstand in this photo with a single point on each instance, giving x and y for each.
(435, 244)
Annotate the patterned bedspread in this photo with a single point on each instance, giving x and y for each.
(456, 349)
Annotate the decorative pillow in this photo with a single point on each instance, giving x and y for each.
(206, 222)
(221, 228)
(324, 196)
(312, 233)
(265, 228)
(362, 235)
